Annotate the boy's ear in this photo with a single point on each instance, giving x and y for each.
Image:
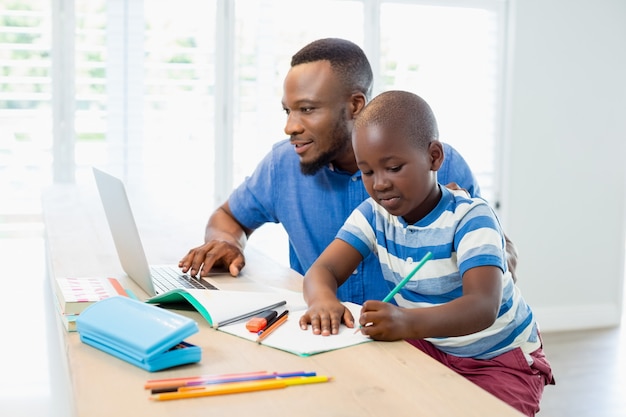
(435, 150)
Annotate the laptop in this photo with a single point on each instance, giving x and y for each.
(153, 279)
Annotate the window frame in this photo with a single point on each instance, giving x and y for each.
(63, 101)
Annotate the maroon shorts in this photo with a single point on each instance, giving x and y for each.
(507, 376)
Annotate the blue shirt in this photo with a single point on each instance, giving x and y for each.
(312, 209)
(462, 233)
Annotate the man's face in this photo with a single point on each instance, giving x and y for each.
(319, 122)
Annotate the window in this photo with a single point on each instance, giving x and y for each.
(25, 105)
(145, 93)
(451, 57)
(146, 76)
(264, 44)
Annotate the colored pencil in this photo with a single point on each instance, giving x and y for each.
(270, 329)
(182, 381)
(404, 281)
(239, 387)
(196, 385)
(173, 384)
(272, 321)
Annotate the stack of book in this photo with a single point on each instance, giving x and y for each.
(74, 294)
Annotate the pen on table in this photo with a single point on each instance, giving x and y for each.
(404, 281)
(274, 326)
(248, 315)
(238, 387)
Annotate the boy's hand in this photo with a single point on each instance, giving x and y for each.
(384, 321)
(326, 316)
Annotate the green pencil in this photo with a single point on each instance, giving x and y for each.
(402, 283)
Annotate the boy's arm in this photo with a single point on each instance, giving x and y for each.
(328, 272)
(474, 311)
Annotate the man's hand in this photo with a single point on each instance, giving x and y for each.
(455, 187)
(215, 253)
(225, 240)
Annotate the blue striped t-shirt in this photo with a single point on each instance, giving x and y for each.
(462, 233)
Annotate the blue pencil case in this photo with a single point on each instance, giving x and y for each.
(142, 334)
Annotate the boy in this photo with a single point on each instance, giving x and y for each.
(462, 307)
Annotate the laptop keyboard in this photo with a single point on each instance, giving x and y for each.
(166, 279)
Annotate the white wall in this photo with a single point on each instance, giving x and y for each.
(564, 203)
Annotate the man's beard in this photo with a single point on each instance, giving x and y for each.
(340, 142)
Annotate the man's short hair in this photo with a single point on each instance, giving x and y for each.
(346, 59)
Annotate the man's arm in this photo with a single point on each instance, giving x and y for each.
(222, 225)
(225, 239)
(511, 257)
(511, 251)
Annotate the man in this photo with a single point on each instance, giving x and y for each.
(310, 183)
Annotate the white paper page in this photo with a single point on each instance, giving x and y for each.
(291, 338)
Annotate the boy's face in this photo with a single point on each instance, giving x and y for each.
(398, 175)
(318, 118)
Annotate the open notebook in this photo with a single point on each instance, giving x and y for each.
(222, 307)
(229, 311)
(289, 337)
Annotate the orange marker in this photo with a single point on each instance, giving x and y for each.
(260, 322)
(268, 330)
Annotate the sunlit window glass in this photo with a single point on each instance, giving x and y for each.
(268, 33)
(449, 56)
(178, 103)
(25, 105)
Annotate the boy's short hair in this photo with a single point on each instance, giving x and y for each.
(346, 58)
(401, 109)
